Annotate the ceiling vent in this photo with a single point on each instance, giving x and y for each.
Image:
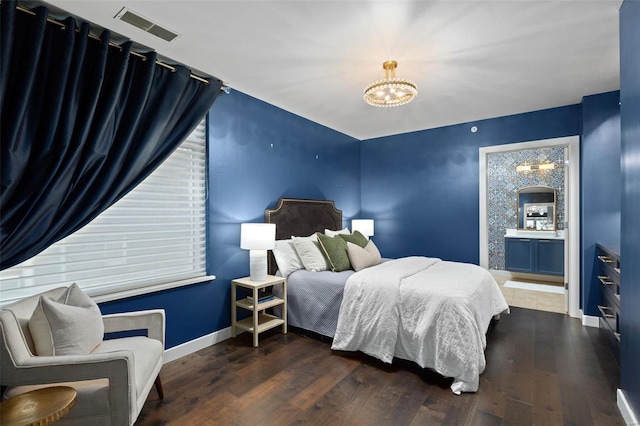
(137, 20)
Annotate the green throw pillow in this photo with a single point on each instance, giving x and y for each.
(356, 238)
(335, 249)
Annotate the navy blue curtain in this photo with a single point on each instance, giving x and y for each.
(82, 124)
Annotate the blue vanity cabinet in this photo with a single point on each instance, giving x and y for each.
(518, 255)
(550, 259)
(535, 256)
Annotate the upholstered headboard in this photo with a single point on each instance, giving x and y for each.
(301, 218)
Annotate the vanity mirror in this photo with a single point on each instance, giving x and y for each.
(537, 208)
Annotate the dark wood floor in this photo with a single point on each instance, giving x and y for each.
(543, 368)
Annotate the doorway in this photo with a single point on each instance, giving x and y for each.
(571, 148)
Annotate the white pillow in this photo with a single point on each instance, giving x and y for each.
(286, 257)
(330, 233)
(361, 258)
(310, 254)
(71, 325)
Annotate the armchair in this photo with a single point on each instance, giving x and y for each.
(112, 382)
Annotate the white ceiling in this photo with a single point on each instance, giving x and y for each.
(471, 59)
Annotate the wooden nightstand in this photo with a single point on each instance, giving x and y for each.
(260, 321)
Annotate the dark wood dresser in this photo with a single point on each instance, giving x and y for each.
(608, 260)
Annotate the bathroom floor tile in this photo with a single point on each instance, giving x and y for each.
(541, 301)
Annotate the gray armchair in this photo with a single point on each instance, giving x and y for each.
(112, 382)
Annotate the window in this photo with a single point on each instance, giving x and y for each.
(153, 238)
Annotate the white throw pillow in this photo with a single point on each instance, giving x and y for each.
(310, 254)
(330, 233)
(286, 257)
(361, 258)
(71, 325)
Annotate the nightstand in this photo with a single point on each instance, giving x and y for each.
(260, 320)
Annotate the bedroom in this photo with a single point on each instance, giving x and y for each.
(312, 161)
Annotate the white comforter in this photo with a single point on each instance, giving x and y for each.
(425, 310)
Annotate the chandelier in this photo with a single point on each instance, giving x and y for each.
(391, 91)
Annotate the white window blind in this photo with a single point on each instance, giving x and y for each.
(153, 238)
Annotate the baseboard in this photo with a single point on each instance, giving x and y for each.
(625, 409)
(590, 321)
(194, 345)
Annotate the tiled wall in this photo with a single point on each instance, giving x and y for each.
(503, 182)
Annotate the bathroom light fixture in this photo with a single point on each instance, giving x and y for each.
(528, 167)
(546, 166)
(390, 91)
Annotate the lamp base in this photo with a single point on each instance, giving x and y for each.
(258, 265)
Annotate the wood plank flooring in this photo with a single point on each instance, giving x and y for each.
(543, 368)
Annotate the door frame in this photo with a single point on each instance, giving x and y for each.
(572, 210)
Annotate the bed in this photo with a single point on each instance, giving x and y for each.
(432, 312)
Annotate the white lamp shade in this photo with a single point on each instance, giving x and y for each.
(257, 236)
(365, 226)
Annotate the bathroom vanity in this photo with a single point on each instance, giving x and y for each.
(535, 246)
(534, 252)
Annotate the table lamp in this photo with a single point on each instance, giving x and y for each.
(365, 226)
(257, 238)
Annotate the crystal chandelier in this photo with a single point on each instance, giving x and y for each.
(391, 91)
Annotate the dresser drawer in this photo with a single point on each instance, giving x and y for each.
(609, 266)
(610, 289)
(609, 311)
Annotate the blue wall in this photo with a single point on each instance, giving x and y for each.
(257, 154)
(188, 312)
(600, 186)
(630, 159)
(422, 187)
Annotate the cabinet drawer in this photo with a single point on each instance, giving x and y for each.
(608, 317)
(609, 272)
(609, 311)
(609, 289)
(609, 262)
(613, 339)
(609, 269)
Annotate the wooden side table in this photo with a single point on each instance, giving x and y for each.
(38, 407)
(260, 321)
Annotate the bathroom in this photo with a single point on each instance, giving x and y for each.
(526, 225)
